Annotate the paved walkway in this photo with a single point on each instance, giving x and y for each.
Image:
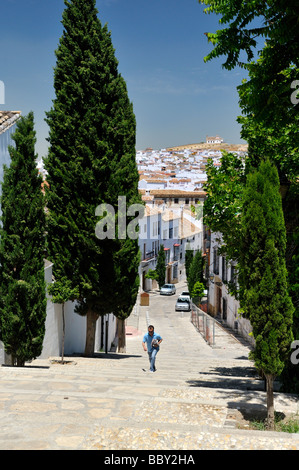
(109, 402)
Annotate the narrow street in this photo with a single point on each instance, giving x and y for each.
(192, 401)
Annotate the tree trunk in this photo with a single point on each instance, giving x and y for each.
(91, 319)
(20, 362)
(63, 335)
(270, 402)
(121, 334)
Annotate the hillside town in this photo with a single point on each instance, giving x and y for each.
(171, 184)
(149, 281)
(171, 187)
(149, 228)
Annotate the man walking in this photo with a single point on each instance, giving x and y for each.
(151, 343)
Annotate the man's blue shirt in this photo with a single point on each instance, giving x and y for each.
(148, 340)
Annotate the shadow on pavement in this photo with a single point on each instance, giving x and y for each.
(103, 355)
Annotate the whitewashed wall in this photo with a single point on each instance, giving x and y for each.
(75, 329)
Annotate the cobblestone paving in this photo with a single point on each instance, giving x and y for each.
(126, 438)
(110, 403)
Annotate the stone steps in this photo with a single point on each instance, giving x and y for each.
(109, 402)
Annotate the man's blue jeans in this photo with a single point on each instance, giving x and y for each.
(152, 358)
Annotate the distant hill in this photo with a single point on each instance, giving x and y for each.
(204, 146)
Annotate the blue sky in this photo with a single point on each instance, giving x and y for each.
(160, 46)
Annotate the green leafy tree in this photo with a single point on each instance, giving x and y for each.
(267, 34)
(61, 292)
(197, 292)
(22, 250)
(91, 162)
(269, 117)
(223, 204)
(247, 26)
(262, 37)
(264, 296)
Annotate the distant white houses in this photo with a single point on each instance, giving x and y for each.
(214, 140)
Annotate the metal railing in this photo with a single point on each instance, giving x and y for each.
(204, 323)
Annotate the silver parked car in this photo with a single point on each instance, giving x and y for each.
(168, 289)
(183, 305)
(185, 295)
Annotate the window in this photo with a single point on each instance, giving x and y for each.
(215, 261)
(155, 229)
(233, 277)
(224, 269)
(155, 247)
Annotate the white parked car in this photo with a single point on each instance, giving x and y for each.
(183, 305)
(185, 295)
(168, 289)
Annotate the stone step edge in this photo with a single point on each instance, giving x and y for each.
(216, 402)
(191, 429)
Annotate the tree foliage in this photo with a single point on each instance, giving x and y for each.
(223, 204)
(22, 250)
(246, 26)
(264, 296)
(262, 38)
(197, 292)
(91, 162)
(196, 271)
(188, 260)
(61, 291)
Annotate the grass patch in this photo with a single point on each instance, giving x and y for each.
(283, 423)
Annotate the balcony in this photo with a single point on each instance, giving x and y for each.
(148, 257)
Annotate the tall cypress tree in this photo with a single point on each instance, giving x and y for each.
(264, 294)
(196, 270)
(161, 268)
(22, 250)
(91, 162)
(189, 255)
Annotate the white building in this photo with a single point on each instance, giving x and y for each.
(8, 121)
(176, 229)
(221, 303)
(214, 140)
(75, 329)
